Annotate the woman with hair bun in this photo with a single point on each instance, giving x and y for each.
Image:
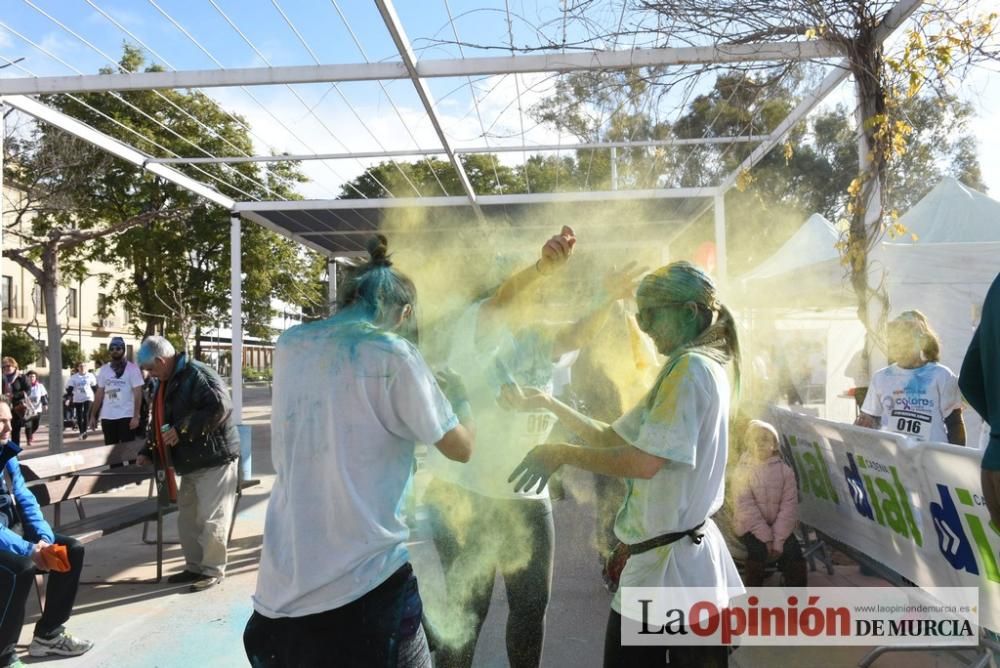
(671, 449)
(915, 395)
(352, 397)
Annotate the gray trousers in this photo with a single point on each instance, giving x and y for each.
(204, 510)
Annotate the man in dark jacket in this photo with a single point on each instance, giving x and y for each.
(191, 432)
(21, 554)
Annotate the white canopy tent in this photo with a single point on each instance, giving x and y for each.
(801, 273)
(797, 295)
(337, 227)
(942, 265)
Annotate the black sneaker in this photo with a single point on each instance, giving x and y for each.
(184, 577)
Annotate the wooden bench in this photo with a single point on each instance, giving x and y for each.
(72, 476)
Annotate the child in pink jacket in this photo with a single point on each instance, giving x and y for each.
(766, 509)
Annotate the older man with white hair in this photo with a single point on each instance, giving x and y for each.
(192, 433)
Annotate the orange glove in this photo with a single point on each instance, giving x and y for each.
(55, 558)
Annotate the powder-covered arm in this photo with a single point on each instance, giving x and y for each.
(593, 432)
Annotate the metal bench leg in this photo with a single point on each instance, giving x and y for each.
(159, 544)
(145, 525)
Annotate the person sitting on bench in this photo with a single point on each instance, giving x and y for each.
(26, 546)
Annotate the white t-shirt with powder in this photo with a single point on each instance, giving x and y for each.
(118, 401)
(684, 420)
(349, 405)
(914, 402)
(503, 437)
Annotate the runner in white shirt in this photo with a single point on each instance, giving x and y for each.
(672, 450)
(916, 396)
(351, 399)
(82, 383)
(118, 398)
(482, 527)
(39, 398)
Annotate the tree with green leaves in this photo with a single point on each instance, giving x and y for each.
(945, 39)
(20, 345)
(179, 269)
(75, 202)
(811, 174)
(72, 353)
(49, 223)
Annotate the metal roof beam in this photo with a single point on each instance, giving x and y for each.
(449, 67)
(435, 229)
(114, 147)
(806, 105)
(461, 151)
(402, 42)
(484, 200)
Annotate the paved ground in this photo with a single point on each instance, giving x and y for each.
(158, 625)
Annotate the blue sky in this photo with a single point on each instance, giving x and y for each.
(353, 116)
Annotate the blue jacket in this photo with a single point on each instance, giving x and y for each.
(34, 524)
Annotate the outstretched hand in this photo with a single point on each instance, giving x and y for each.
(557, 250)
(451, 384)
(622, 283)
(537, 467)
(513, 397)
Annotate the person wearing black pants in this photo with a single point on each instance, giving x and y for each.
(22, 554)
(15, 389)
(81, 411)
(17, 574)
(512, 536)
(671, 449)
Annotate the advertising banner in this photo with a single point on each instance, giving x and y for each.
(915, 507)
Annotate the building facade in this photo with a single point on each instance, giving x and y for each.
(86, 315)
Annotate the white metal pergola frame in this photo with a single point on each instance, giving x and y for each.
(16, 93)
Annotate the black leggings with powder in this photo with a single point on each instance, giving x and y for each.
(476, 538)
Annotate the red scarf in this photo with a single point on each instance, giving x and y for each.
(162, 449)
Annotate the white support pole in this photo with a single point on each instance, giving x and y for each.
(614, 168)
(720, 236)
(236, 301)
(331, 268)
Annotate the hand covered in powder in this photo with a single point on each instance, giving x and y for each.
(622, 283)
(557, 250)
(513, 397)
(537, 467)
(451, 384)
